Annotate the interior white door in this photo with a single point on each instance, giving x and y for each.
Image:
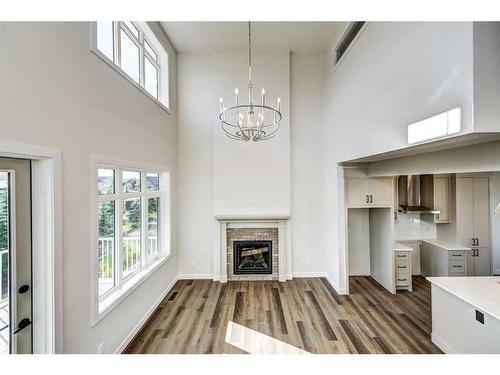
(465, 210)
(380, 191)
(482, 211)
(357, 191)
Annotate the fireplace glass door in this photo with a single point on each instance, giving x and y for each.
(252, 257)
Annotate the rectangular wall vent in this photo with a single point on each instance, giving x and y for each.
(350, 33)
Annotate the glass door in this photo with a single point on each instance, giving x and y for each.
(15, 257)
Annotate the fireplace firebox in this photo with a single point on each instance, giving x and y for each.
(252, 257)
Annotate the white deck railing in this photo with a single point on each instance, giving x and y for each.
(131, 254)
(4, 270)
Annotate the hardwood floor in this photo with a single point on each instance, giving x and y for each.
(306, 313)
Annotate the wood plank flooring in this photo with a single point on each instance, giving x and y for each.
(306, 313)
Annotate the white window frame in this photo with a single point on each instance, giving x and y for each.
(102, 305)
(161, 63)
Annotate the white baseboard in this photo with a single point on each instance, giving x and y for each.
(195, 276)
(335, 286)
(309, 274)
(144, 319)
(443, 345)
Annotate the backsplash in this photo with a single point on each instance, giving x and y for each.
(414, 227)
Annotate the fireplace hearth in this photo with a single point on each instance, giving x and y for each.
(252, 257)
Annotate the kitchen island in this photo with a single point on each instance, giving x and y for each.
(466, 314)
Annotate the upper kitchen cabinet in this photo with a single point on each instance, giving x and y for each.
(442, 198)
(426, 194)
(369, 192)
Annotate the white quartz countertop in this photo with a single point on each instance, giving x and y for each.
(446, 245)
(400, 247)
(483, 292)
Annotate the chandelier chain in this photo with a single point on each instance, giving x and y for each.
(249, 53)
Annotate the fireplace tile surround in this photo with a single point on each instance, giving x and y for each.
(241, 228)
(252, 234)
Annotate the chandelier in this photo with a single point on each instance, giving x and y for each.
(252, 121)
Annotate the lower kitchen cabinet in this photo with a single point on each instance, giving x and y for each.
(439, 258)
(478, 262)
(403, 270)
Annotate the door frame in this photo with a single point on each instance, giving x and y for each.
(47, 262)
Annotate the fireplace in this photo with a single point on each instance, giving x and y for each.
(252, 257)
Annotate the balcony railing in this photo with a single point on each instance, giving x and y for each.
(131, 254)
(4, 277)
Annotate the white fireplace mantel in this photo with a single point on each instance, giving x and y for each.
(253, 221)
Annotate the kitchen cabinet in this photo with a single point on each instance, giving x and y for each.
(473, 226)
(440, 258)
(442, 198)
(369, 192)
(402, 264)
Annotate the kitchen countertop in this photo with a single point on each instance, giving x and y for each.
(483, 292)
(446, 245)
(400, 247)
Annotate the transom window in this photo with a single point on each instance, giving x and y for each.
(135, 51)
(129, 223)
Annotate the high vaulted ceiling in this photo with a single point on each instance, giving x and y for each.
(302, 37)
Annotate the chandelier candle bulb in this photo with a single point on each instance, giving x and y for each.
(236, 96)
(263, 97)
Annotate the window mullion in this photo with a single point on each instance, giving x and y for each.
(117, 43)
(142, 63)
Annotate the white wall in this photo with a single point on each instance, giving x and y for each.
(358, 224)
(306, 112)
(220, 176)
(394, 74)
(248, 177)
(58, 94)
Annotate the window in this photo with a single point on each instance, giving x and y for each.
(438, 126)
(133, 50)
(345, 41)
(131, 234)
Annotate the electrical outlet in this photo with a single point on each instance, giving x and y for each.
(480, 317)
(100, 348)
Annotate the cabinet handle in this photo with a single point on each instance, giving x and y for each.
(371, 198)
(477, 252)
(401, 256)
(401, 279)
(437, 216)
(457, 255)
(454, 266)
(401, 266)
(367, 199)
(477, 241)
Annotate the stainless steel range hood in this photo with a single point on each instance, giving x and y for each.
(414, 196)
